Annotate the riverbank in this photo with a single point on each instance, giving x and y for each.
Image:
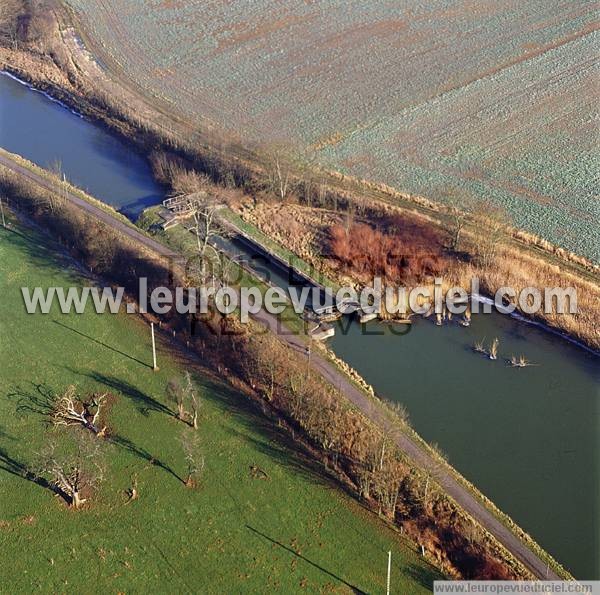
(96, 91)
(367, 405)
(575, 393)
(305, 232)
(309, 231)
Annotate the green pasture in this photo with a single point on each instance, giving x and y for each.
(291, 529)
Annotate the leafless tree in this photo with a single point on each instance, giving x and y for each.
(179, 174)
(71, 409)
(175, 395)
(350, 217)
(208, 263)
(186, 399)
(386, 483)
(205, 220)
(10, 16)
(279, 171)
(459, 213)
(190, 442)
(74, 469)
(472, 531)
(307, 174)
(282, 177)
(492, 223)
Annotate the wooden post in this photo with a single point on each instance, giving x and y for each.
(389, 572)
(154, 366)
(2, 211)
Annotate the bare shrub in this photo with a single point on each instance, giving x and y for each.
(190, 442)
(185, 398)
(400, 254)
(176, 173)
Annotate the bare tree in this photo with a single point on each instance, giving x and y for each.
(208, 264)
(282, 178)
(10, 22)
(175, 395)
(206, 228)
(386, 482)
(279, 165)
(349, 219)
(174, 171)
(71, 409)
(74, 469)
(492, 222)
(306, 171)
(191, 397)
(186, 399)
(190, 442)
(459, 213)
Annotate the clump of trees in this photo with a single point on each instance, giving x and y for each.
(354, 448)
(73, 460)
(490, 220)
(28, 23)
(176, 173)
(12, 14)
(98, 246)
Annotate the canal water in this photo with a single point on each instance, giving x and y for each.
(528, 438)
(51, 136)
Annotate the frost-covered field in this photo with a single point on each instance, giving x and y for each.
(488, 98)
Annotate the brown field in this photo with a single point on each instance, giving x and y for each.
(487, 99)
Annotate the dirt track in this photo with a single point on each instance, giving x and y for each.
(93, 210)
(365, 403)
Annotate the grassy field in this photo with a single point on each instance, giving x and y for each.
(488, 100)
(290, 532)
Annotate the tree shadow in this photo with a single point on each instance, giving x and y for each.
(262, 431)
(102, 344)
(305, 559)
(143, 454)
(423, 576)
(40, 401)
(18, 469)
(41, 248)
(4, 435)
(144, 403)
(262, 428)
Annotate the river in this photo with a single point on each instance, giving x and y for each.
(528, 438)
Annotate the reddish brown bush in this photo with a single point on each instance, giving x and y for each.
(405, 251)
